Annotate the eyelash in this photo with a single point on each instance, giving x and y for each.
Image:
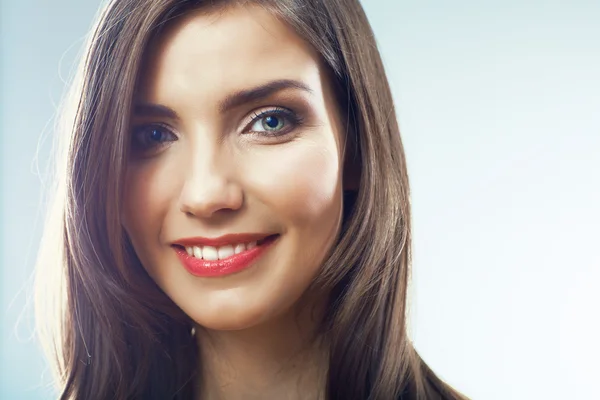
(293, 121)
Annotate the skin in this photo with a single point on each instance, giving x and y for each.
(205, 171)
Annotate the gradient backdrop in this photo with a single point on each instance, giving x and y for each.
(499, 106)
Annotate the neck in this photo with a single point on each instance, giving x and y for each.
(281, 359)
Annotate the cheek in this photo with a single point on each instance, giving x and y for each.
(300, 180)
(146, 200)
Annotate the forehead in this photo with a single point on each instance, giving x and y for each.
(238, 47)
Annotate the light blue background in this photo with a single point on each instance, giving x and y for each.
(499, 106)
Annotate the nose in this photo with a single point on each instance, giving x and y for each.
(209, 187)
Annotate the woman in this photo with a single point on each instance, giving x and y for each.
(232, 211)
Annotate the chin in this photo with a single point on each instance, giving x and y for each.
(230, 321)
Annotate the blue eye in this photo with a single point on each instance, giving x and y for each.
(274, 122)
(148, 137)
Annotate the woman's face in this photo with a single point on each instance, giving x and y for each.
(233, 193)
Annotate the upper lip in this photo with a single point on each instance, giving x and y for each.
(233, 238)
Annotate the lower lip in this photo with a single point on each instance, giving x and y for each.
(228, 266)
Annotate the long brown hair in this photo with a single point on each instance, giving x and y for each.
(115, 334)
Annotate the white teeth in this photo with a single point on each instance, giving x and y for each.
(225, 252)
(209, 253)
(197, 252)
(239, 248)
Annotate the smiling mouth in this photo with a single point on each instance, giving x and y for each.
(223, 252)
(211, 261)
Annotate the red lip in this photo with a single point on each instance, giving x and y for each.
(230, 265)
(234, 238)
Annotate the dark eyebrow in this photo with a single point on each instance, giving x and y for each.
(260, 92)
(154, 110)
(232, 101)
